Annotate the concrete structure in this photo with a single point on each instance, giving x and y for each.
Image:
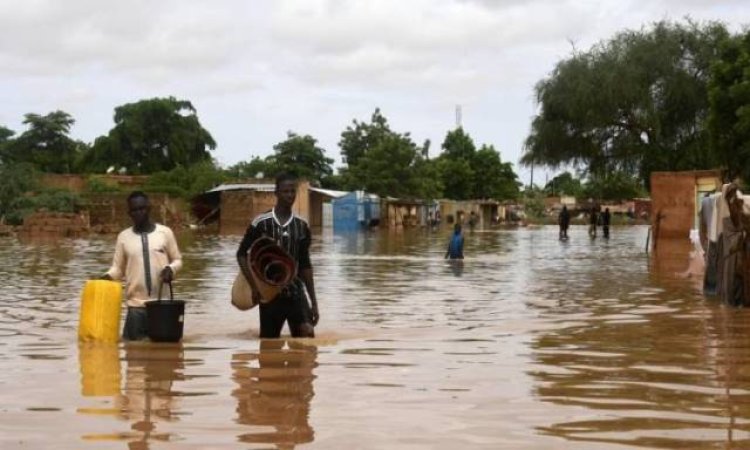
(675, 200)
(355, 211)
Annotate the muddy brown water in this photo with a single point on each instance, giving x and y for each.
(530, 343)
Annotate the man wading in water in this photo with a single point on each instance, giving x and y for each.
(293, 235)
(146, 254)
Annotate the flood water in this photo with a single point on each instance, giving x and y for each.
(530, 343)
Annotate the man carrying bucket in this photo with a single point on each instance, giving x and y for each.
(293, 235)
(146, 254)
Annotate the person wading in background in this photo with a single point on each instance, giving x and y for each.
(606, 220)
(593, 221)
(456, 244)
(146, 255)
(564, 221)
(293, 235)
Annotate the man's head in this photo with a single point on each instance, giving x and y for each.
(286, 189)
(138, 208)
(457, 228)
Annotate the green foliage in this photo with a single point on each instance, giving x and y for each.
(297, 154)
(187, 182)
(614, 186)
(564, 184)
(387, 163)
(96, 184)
(634, 104)
(18, 179)
(301, 156)
(533, 203)
(729, 95)
(255, 168)
(149, 136)
(468, 173)
(359, 138)
(45, 143)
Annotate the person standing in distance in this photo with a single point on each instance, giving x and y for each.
(456, 244)
(293, 235)
(146, 255)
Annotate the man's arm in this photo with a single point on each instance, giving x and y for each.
(117, 270)
(175, 258)
(306, 273)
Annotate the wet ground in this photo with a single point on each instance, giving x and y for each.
(530, 343)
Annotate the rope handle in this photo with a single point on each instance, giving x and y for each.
(171, 293)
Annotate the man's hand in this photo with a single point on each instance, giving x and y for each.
(315, 315)
(256, 297)
(105, 277)
(167, 275)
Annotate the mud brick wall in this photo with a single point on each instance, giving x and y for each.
(108, 213)
(239, 207)
(48, 224)
(77, 183)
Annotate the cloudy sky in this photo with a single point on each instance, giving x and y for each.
(256, 69)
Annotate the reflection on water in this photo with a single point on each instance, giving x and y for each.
(275, 387)
(528, 343)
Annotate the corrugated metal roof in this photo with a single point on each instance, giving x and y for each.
(244, 187)
(329, 192)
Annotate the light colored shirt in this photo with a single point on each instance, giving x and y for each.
(131, 262)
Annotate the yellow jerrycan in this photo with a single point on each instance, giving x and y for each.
(100, 311)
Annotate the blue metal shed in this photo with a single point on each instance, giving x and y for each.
(355, 211)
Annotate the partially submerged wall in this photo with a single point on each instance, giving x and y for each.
(674, 197)
(51, 224)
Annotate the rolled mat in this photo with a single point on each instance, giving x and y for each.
(271, 267)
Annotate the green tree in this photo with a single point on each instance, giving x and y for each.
(388, 168)
(564, 184)
(152, 135)
(18, 179)
(614, 186)
(255, 168)
(729, 95)
(634, 104)
(493, 179)
(187, 181)
(385, 162)
(301, 156)
(470, 173)
(359, 138)
(45, 144)
(5, 135)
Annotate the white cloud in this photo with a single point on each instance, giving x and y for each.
(257, 69)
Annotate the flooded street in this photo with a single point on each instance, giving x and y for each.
(530, 343)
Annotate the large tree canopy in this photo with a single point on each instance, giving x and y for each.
(470, 173)
(729, 94)
(301, 156)
(152, 135)
(635, 104)
(385, 162)
(46, 143)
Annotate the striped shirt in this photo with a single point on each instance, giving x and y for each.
(293, 236)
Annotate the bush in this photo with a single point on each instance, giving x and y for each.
(98, 185)
(186, 182)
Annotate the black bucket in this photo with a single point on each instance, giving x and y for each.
(165, 318)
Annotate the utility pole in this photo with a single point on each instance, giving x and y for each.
(458, 117)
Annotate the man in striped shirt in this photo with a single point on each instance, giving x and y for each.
(293, 235)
